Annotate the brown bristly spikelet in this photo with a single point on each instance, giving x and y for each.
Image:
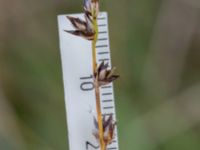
(103, 75)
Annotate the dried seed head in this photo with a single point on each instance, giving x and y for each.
(108, 129)
(87, 6)
(92, 7)
(103, 75)
(85, 28)
(78, 23)
(86, 35)
(82, 28)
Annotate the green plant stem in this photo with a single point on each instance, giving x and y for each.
(97, 92)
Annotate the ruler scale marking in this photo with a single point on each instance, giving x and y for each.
(106, 101)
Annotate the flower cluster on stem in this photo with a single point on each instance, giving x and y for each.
(88, 29)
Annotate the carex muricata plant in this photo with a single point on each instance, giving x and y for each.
(88, 29)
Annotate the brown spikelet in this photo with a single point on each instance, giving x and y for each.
(108, 129)
(105, 76)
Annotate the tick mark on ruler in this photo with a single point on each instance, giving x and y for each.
(104, 59)
(101, 53)
(100, 46)
(114, 141)
(106, 94)
(102, 32)
(108, 107)
(106, 87)
(112, 148)
(84, 78)
(101, 18)
(102, 25)
(102, 39)
(107, 114)
(107, 100)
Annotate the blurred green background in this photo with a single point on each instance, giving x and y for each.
(155, 46)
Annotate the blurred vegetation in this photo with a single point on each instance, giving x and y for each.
(155, 46)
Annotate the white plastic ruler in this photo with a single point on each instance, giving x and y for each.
(76, 55)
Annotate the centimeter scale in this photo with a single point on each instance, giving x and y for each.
(76, 55)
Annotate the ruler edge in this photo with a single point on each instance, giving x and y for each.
(112, 84)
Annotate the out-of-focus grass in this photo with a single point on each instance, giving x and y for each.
(31, 77)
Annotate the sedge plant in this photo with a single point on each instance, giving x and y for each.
(88, 29)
